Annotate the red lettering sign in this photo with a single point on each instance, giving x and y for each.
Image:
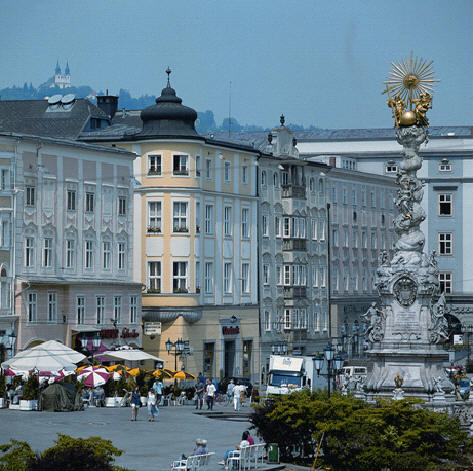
(126, 334)
(230, 330)
(109, 333)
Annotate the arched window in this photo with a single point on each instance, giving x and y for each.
(263, 178)
(311, 184)
(321, 186)
(4, 289)
(275, 179)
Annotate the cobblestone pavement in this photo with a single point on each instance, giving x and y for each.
(147, 446)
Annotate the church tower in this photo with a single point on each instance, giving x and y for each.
(57, 75)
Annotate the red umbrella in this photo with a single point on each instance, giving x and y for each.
(9, 372)
(94, 378)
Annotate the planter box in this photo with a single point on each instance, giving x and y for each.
(2, 403)
(28, 405)
(111, 402)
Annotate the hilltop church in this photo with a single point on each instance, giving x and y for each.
(59, 79)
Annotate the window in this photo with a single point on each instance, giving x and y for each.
(227, 174)
(70, 253)
(29, 252)
(279, 279)
(334, 195)
(286, 227)
(266, 274)
(89, 254)
(335, 237)
(363, 197)
(197, 217)
(154, 277)
(154, 216)
(209, 278)
(345, 196)
(315, 281)
(52, 307)
(228, 222)
(445, 166)
(180, 165)
(179, 217)
(133, 309)
(5, 233)
(121, 255)
(373, 240)
(80, 310)
(197, 166)
(383, 240)
(275, 180)
(355, 278)
(314, 228)
(5, 179)
(445, 204)
(117, 309)
(335, 278)
(197, 277)
(30, 196)
(154, 165)
(267, 321)
(353, 198)
(179, 277)
(391, 167)
(277, 226)
(311, 185)
(99, 309)
(446, 282)
(355, 239)
(364, 241)
(445, 243)
(48, 253)
(122, 205)
(209, 219)
(107, 255)
(265, 226)
(32, 307)
(208, 169)
(263, 178)
(227, 277)
(287, 318)
(89, 202)
(244, 174)
(345, 237)
(373, 199)
(245, 278)
(322, 230)
(323, 277)
(71, 200)
(245, 226)
(287, 275)
(284, 177)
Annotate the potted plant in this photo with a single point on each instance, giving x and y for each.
(29, 400)
(3, 391)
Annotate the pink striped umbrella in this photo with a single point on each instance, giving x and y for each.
(9, 372)
(95, 377)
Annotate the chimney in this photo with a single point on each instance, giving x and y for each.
(108, 104)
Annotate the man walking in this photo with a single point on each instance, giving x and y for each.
(237, 396)
(210, 390)
(199, 392)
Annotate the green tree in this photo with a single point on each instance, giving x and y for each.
(73, 454)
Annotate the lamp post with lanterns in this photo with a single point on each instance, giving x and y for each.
(334, 364)
(178, 347)
(84, 340)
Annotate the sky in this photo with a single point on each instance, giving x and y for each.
(318, 62)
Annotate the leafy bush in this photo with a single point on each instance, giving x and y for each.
(394, 435)
(31, 388)
(73, 454)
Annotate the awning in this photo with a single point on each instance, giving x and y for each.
(84, 328)
(129, 354)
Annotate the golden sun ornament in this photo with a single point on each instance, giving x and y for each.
(411, 78)
(410, 83)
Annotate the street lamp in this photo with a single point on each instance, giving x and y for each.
(178, 347)
(95, 344)
(468, 330)
(334, 364)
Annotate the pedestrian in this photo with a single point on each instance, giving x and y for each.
(135, 403)
(153, 410)
(158, 389)
(250, 438)
(230, 387)
(201, 378)
(199, 395)
(210, 391)
(237, 390)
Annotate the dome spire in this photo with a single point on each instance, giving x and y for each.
(168, 71)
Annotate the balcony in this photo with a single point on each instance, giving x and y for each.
(292, 292)
(293, 191)
(294, 244)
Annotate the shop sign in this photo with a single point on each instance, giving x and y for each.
(234, 330)
(109, 333)
(127, 333)
(152, 328)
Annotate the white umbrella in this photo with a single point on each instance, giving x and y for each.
(129, 354)
(40, 359)
(61, 350)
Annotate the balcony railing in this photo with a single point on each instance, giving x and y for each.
(294, 244)
(293, 191)
(291, 292)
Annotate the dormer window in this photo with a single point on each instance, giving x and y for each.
(95, 123)
(445, 165)
(391, 167)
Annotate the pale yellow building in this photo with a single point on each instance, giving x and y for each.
(195, 239)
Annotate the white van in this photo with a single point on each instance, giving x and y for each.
(353, 371)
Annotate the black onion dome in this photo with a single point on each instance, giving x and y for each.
(169, 117)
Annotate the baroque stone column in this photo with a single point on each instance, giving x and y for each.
(407, 328)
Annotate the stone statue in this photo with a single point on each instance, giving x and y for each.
(374, 317)
(439, 324)
(358, 382)
(345, 383)
(438, 384)
(433, 260)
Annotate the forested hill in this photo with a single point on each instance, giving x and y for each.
(205, 119)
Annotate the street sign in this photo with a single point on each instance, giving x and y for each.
(152, 328)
